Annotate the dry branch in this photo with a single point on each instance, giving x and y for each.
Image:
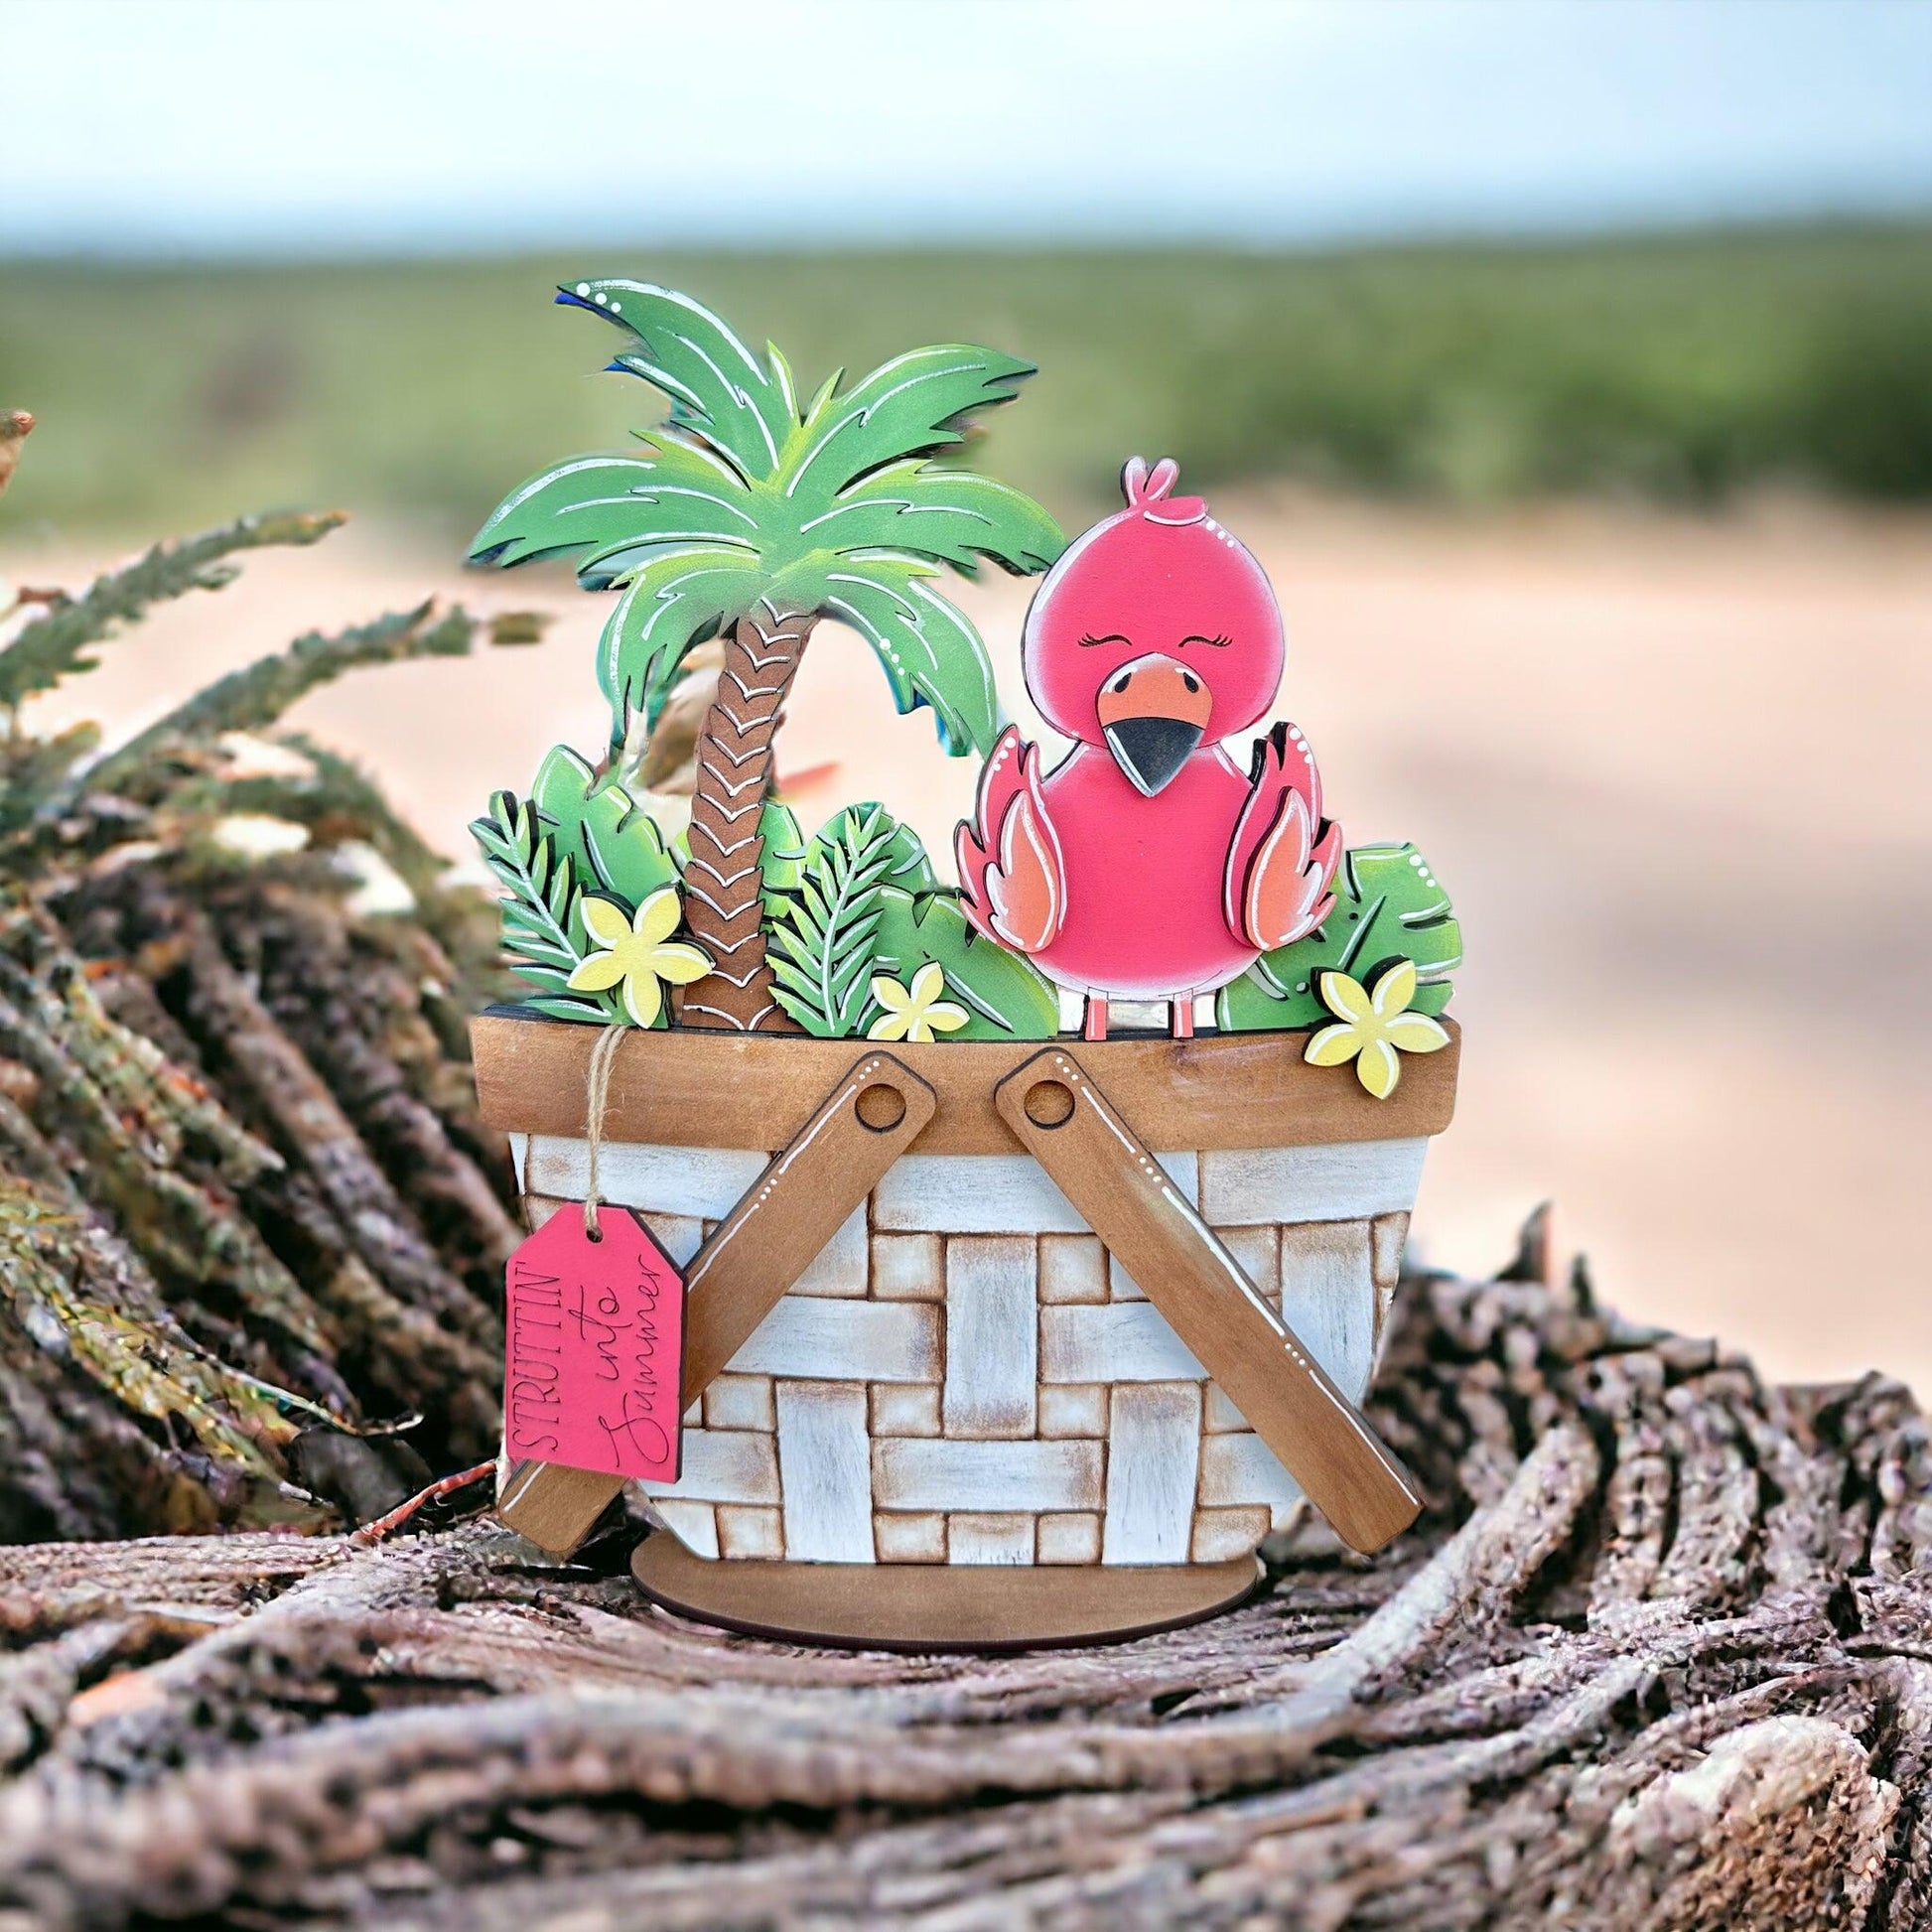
(1552, 1706)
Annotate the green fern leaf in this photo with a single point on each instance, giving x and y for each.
(822, 950)
(541, 895)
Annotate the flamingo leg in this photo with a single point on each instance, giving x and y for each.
(1181, 1016)
(1093, 1025)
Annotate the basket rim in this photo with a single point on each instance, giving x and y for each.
(753, 1091)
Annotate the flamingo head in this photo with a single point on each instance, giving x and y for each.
(1155, 632)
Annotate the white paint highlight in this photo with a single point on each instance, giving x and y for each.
(991, 1336)
(825, 1459)
(1152, 1452)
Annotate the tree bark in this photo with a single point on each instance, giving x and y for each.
(723, 900)
(1653, 1661)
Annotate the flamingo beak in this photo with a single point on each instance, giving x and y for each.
(1153, 713)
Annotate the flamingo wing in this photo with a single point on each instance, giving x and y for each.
(1284, 853)
(1013, 884)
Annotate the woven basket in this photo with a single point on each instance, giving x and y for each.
(963, 1377)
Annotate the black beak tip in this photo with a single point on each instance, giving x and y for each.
(1151, 751)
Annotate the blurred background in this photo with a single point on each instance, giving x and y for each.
(1569, 366)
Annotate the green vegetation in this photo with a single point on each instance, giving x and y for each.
(856, 900)
(866, 905)
(1680, 368)
(211, 1288)
(1389, 907)
(752, 513)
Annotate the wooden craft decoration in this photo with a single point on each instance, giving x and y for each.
(1263, 1367)
(1146, 865)
(754, 514)
(767, 1240)
(991, 1340)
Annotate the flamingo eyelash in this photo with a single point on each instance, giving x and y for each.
(1112, 637)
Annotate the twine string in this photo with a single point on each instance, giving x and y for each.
(596, 1098)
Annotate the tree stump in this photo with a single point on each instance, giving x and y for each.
(1655, 1658)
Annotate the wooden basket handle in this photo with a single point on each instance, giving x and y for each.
(1099, 1163)
(780, 1226)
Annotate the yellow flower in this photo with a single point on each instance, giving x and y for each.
(634, 953)
(1372, 1026)
(915, 1012)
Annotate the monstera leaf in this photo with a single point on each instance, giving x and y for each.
(1388, 905)
(613, 846)
(1006, 995)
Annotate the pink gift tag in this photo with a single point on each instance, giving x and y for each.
(595, 1348)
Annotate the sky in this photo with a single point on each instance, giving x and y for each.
(355, 126)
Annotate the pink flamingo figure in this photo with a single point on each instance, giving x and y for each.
(1147, 865)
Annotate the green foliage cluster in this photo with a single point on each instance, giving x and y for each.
(856, 900)
(577, 832)
(1683, 368)
(863, 904)
(1389, 906)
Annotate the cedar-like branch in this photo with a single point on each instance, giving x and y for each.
(55, 646)
(249, 1219)
(256, 696)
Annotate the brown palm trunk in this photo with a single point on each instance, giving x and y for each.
(723, 906)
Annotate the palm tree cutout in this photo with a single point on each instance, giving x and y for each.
(748, 516)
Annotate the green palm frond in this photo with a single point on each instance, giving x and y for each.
(682, 595)
(743, 407)
(741, 498)
(928, 649)
(950, 516)
(916, 403)
(597, 507)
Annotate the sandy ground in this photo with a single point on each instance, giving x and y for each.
(1672, 770)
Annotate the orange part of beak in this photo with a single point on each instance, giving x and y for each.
(1155, 685)
(1153, 713)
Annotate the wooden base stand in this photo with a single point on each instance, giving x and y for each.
(938, 1607)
